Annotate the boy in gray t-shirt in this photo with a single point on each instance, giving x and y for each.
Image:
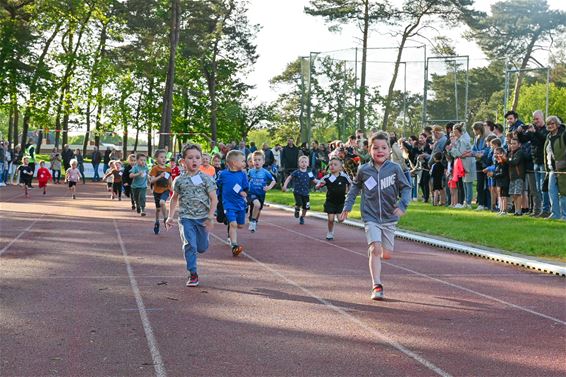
(195, 194)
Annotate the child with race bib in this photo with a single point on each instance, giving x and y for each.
(381, 182)
(160, 177)
(302, 180)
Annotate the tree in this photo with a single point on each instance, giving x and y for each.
(361, 12)
(165, 130)
(516, 29)
(413, 17)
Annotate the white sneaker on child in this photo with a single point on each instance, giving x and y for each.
(329, 236)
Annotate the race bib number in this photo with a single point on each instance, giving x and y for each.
(237, 188)
(370, 183)
(166, 175)
(197, 180)
(311, 175)
(143, 174)
(120, 173)
(332, 178)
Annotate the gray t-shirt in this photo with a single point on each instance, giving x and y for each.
(194, 202)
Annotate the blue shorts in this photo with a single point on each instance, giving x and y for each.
(159, 197)
(252, 197)
(239, 216)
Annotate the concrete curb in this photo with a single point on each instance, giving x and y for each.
(515, 260)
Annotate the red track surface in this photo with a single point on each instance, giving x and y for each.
(292, 305)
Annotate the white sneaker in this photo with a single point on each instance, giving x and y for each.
(480, 208)
(458, 206)
(329, 236)
(2, 184)
(252, 226)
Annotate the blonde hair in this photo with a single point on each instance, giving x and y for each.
(258, 153)
(303, 158)
(233, 154)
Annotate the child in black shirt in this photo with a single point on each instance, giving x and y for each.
(337, 184)
(26, 175)
(437, 174)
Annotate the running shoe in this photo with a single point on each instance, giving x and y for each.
(142, 213)
(193, 280)
(296, 212)
(377, 292)
(120, 198)
(329, 236)
(44, 193)
(74, 196)
(252, 227)
(301, 220)
(156, 227)
(236, 250)
(138, 210)
(134, 207)
(165, 221)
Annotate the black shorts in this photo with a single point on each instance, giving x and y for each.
(504, 191)
(333, 208)
(71, 184)
(158, 197)
(302, 201)
(109, 185)
(253, 197)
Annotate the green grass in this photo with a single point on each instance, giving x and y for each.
(524, 235)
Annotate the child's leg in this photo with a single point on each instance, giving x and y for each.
(331, 222)
(375, 250)
(233, 232)
(188, 236)
(256, 209)
(163, 205)
(142, 194)
(26, 189)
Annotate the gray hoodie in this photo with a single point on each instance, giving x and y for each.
(380, 192)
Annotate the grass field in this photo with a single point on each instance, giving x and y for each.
(529, 236)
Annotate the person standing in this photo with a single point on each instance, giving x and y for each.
(555, 159)
(289, 158)
(81, 163)
(96, 159)
(30, 152)
(67, 156)
(106, 160)
(17, 161)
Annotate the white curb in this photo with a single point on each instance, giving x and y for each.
(533, 264)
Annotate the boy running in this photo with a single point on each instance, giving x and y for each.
(337, 185)
(43, 176)
(26, 175)
(138, 174)
(260, 181)
(233, 184)
(127, 181)
(73, 176)
(195, 194)
(302, 180)
(160, 177)
(116, 173)
(381, 183)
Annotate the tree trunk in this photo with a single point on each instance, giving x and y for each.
(39, 142)
(521, 74)
(364, 67)
(165, 129)
(35, 77)
(87, 133)
(137, 119)
(137, 139)
(149, 117)
(393, 81)
(10, 126)
(16, 120)
(211, 82)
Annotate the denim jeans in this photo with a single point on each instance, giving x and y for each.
(96, 177)
(469, 192)
(539, 179)
(195, 240)
(557, 201)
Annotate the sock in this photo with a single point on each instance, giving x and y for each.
(375, 268)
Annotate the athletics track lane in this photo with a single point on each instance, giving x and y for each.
(299, 307)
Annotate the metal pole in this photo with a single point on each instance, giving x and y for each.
(356, 89)
(455, 87)
(405, 99)
(547, 91)
(425, 71)
(466, 90)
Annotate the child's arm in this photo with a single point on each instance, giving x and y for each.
(213, 204)
(320, 184)
(351, 197)
(284, 188)
(405, 190)
(173, 203)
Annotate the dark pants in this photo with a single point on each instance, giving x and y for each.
(56, 174)
(82, 170)
(424, 185)
(96, 177)
(482, 191)
(461, 192)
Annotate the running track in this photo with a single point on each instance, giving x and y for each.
(86, 289)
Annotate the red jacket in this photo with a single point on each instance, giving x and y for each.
(43, 175)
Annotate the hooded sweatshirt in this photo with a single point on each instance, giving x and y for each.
(380, 192)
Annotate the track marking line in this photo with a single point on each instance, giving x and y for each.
(151, 341)
(384, 338)
(515, 306)
(21, 234)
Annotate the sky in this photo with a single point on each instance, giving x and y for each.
(287, 32)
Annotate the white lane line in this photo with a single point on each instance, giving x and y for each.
(21, 234)
(384, 338)
(151, 341)
(515, 306)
